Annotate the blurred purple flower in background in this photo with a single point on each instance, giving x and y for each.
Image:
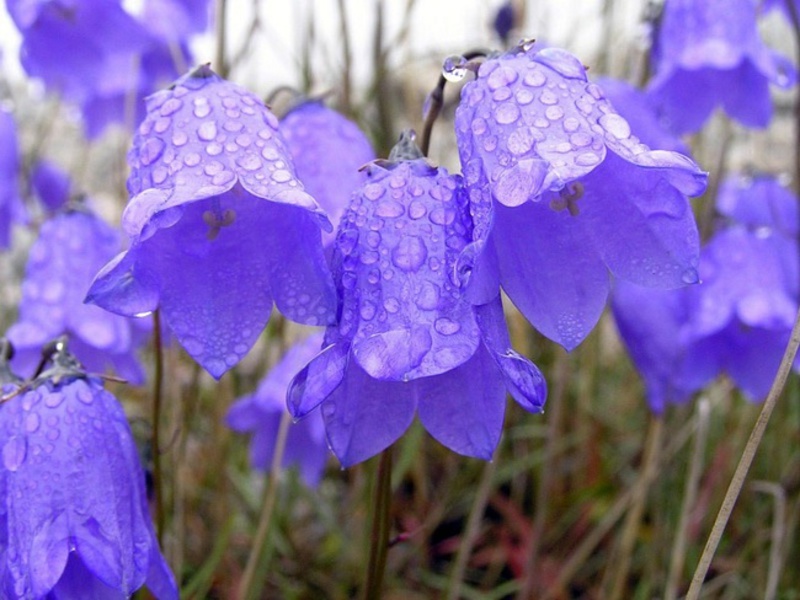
(708, 54)
(71, 248)
(11, 208)
(503, 21)
(408, 340)
(260, 414)
(562, 193)
(176, 20)
(328, 150)
(76, 524)
(219, 225)
(739, 319)
(100, 57)
(50, 184)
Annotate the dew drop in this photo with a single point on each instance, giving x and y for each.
(410, 253)
(587, 159)
(214, 149)
(192, 159)
(615, 125)
(554, 113)
(534, 79)
(14, 452)
(367, 310)
(392, 305)
(171, 106)
(281, 176)
(32, 422)
(251, 162)
(389, 209)
(454, 68)
(151, 150)
(446, 326)
(690, 276)
(417, 210)
(201, 108)
(162, 124)
(207, 131)
(179, 138)
(373, 191)
(506, 113)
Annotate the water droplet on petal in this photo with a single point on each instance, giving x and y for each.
(192, 159)
(207, 131)
(506, 113)
(410, 253)
(201, 108)
(151, 150)
(32, 422)
(690, 276)
(14, 452)
(446, 326)
(171, 106)
(454, 68)
(281, 176)
(615, 125)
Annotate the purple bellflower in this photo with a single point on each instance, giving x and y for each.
(94, 54)
(51, 185)
(709, 54)
(219, 225)
(739, 320)
(11, 208)
(71, 248)
(176, 20)
(562, 193)
(503, 21)
(408, 340)
(328, 152)
(261, 412)
(75, 518)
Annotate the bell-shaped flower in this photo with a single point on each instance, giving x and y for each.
(71, 247)
(328, 152)
(260, 413)
(75, 517)
(708, 54)
(562, 192)
(11, 208)
(219, 225)
(408, 340)
(738, 321)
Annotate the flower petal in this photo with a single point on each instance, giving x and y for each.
(318, 379)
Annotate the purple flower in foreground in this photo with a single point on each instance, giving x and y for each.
(261, 412)
(73, 495)
(709, 54)
(739, 320)
(11, 208)
(328, 152)
(71, 248)
(219, 225)
(408, 340)
(562, 193)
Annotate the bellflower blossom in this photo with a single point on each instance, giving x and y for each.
(219, 225)
(708, 54)
(94, 54)
(71, 248)
(408, 340)
(76, 521)
(739, 320)
(11, 208)
(328, 152)
(261, 412)
(562, 193)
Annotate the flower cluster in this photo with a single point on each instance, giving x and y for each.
(219, 224)
(739, 320)
(75, 520)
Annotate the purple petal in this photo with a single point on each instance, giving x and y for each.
(364, 416)
(317, 380)
(124, 288)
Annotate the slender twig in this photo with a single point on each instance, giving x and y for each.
(158, 385)
(347, 59)
(556, 404)
(381, 523)
(745, 461)
(221, 10)
(778, 527)
(472, 530)
(678, 557)
(630, 528)
(247, 588)
(794, 16)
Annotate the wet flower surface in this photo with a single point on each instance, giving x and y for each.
(563, 193)
(328, 152)
(709, 54)
(408, 340)
(76, 522)
(71, 248)
(219, 225)
(260, 414)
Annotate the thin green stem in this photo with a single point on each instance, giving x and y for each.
(249, 587)
(745, 461)
(221, 11)
(381, 523)
(158, 386)
(472, 530)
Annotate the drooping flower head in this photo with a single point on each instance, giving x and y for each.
(94, 54)
(709, 54)
(562, 193)
(738, 321)
(11, 208)
(408, 340)
(71, 248)
(219, 224)
(328, 152)
(73, 494)
(261, 413)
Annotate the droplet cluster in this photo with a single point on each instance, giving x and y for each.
(394, 262)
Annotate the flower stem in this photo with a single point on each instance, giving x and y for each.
(158, 385)
(379, 534)
(745, 461)
(249, 588)
(221, 10)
